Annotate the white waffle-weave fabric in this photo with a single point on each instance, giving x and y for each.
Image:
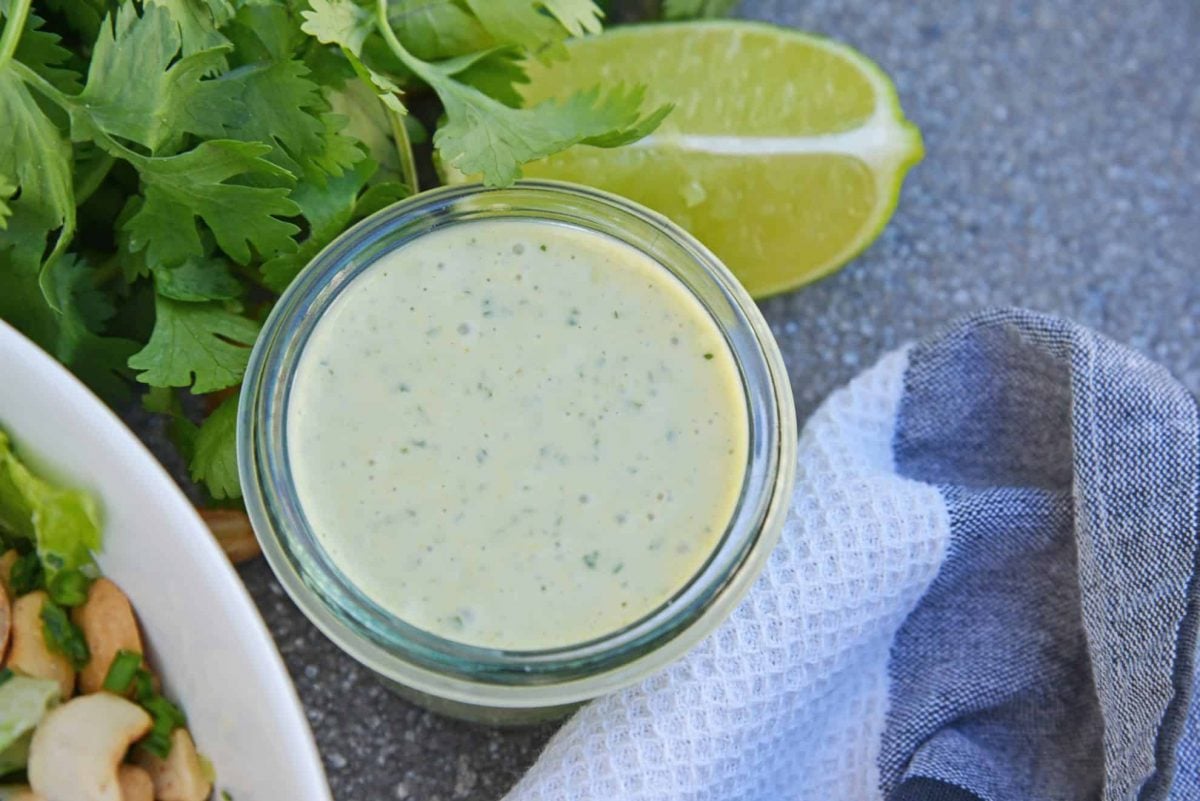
(797, 696)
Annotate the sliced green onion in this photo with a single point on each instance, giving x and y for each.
(163, 710)
(122, 671)
(157, 743)
(64, 636)
(26, 575)
(143, 686)
(158, 740)
(167, 718)
(69, 588)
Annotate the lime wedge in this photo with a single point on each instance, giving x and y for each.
(784, 154)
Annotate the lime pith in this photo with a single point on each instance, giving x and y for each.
(785, 153)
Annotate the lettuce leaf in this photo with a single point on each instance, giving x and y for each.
(62, 524)
(23, 703)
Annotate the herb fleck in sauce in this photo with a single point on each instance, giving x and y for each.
(517, 434)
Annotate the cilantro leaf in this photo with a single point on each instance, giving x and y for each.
(63, 313)
(343, 23)
(137, 90)
(42, 51)
(538, 26)
(180, 430)
(377, 197)
(387, 90)
(37, 155)
(180, 189)
(328, 210)
(80, 310)
(483, 136)
(198, 22)
(698, 9)
(71, 281)
(162, 400)
(340, 151)
(202, 345)
(196, 280)
(493, 72)
(338, 22)
(276, 103)
(7, 189)
(265, 32)
(200, 146)
(368, 121)
(92, 167)
(578, 17)
(83, 16)
(101, 362)
(214, 457)
(272, 102)
(436, 30)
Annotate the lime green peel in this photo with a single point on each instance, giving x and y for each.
(785, 152)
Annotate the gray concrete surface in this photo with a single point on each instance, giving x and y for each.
(1063, 174)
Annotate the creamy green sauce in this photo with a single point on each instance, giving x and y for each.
(517, 434)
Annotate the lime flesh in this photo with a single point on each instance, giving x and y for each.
(785, 152)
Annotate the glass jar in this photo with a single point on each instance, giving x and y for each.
(488, 684)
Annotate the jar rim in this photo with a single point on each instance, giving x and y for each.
(470, 673)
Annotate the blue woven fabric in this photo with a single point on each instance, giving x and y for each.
(1053, 657)
(985, 590)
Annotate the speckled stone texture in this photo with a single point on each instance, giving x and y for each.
(1062, 174)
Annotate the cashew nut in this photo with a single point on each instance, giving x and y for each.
(179, 777)
(30, 655)
(107, 622)
(77, 748)
(233, 532)
(6, 565)
(136, 784)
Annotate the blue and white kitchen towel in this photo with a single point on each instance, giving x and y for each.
(986, 589)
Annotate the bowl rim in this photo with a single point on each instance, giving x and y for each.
(140, 467)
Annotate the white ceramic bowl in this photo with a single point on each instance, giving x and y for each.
(204, 634)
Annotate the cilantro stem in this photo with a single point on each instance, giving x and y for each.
(91, 179)
(408, 164)
(421, 68)
(399, 130)
(18, 12)
(44, 87)
(68, 103)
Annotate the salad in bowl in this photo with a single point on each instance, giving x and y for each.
(82, 714)
(95, 534)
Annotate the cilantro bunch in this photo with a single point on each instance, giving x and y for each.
(168, 166)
